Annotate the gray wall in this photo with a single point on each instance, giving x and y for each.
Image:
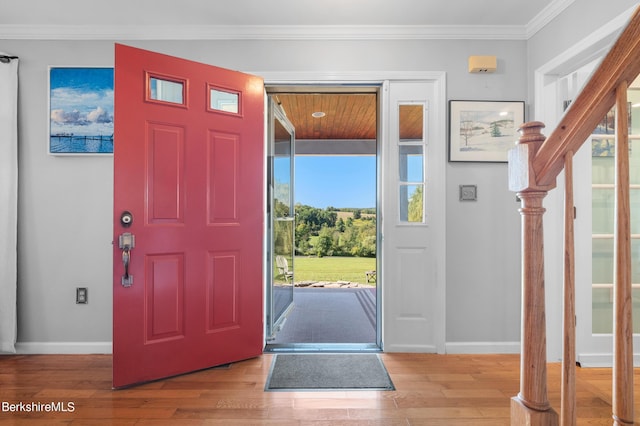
(65, 203)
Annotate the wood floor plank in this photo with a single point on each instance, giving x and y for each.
(430, 390)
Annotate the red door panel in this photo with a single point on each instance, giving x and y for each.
(188, 165)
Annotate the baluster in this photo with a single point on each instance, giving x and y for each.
(568, 398)
(622, 303)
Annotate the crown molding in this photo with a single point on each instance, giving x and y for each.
(286, 32)
(261, 32)
(546, 15)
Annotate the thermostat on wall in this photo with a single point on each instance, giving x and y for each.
(468, 192)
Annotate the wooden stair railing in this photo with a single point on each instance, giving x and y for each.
(534, 165)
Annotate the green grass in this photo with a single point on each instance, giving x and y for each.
(330, 268)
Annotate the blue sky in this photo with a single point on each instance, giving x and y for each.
(338, 181)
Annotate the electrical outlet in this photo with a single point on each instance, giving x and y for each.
(82, 295)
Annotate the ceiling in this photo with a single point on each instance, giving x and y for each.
(196, 19)
(272, 12)
(346, 116)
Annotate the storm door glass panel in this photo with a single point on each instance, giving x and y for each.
(411, 150)
(603, 218)
(282, 218)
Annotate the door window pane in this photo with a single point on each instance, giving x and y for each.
(603, 217)
(603, 152)
(411, 203)
(166, 90)
(411, 122)
(282, 166)
(220, 100)
(603, 310)
(411, 163)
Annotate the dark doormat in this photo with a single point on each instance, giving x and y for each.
(328, 372)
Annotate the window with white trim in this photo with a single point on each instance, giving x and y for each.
(412, 151)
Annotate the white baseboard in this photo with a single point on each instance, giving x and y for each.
(483, 347)
(428, 349)
(602, 360)
(66, 348)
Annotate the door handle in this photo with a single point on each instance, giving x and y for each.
(127, 241)
(126, 255)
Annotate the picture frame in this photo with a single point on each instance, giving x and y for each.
(80, 110)
(483, 131)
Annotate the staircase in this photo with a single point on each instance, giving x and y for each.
(534, 165)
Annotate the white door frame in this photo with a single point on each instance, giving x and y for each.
(381, 78)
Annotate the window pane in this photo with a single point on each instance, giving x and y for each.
(411, 163)
(602, 205)
(603, 216)
(223, 101)
(602, 306)
(411, 203)
(634, 161)
(603, 161)
(166, 90)
(411, 122)
(602, 272)
(602, 261)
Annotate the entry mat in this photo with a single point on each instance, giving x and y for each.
(328, 372)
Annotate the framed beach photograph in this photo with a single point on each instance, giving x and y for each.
(483, 131)
(80, 110)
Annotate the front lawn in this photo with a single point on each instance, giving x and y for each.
(333, 268)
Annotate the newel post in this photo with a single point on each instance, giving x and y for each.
(531, 405)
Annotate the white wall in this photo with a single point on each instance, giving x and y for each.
(65, 203)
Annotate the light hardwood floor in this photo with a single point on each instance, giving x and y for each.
(430, 390)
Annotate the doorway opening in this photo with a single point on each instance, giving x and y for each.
(323, 291)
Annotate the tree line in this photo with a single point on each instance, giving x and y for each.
(323, 232)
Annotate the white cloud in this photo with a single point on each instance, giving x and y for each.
(61, 116)
(99, 115)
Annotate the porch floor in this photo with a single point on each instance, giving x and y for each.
(330, 315)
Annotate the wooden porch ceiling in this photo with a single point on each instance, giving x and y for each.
(348, 116)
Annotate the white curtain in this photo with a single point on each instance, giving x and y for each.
(8, 201)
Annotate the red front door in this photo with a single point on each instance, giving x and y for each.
(188, 167)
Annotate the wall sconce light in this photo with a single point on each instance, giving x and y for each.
(482, 64)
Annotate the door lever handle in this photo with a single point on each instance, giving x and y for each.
(127, 241)
(126, 255)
